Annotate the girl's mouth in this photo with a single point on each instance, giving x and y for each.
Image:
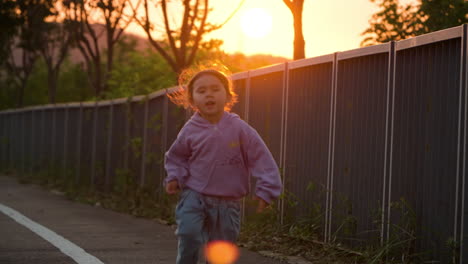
(210, 103)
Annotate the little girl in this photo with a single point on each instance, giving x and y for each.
(210, 162)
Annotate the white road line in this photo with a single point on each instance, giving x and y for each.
(68, 248)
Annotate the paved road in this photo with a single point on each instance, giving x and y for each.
(110, 237)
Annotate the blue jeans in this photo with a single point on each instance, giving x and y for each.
(201, 219)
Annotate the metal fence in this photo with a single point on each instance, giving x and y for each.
(371, 142)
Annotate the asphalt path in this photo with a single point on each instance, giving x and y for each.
(39, 226)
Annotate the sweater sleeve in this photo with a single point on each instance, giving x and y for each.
(263, 167)
(176, 161)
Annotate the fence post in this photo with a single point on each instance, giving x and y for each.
(78, 144)
(143, 145)
(460, 207)
(22, 139)
(52, 159)
(284, 124)
(128, 105)
(387, 173)
(65, 141)
(246, 119)
(10, 136)
(32, 143)
(2, 140)
(3, 117)
(331, 152)
(93, 143)
(42, 139)
(109, 145)
(164, 140)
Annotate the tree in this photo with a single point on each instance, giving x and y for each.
(441, 14)
(396, 22)
(296, 7)
(181, 40)
(87, 32)
(20, 62)
(137, 72)
(54, 45)
(9, 22)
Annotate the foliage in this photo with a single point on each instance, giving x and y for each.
(395, 21)
(8, 92)
(19, 64)
(72, 81)
(441, 14)
(9, 22)
(96, 38)
(392, 22)
(137, 73)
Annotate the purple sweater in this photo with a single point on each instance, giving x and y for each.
(216, 159)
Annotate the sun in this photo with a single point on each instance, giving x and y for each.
(256, 22)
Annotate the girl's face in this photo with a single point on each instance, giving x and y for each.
(209, 97)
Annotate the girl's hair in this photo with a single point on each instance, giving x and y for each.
(184, 96)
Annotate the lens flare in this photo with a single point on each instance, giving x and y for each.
(221, 252)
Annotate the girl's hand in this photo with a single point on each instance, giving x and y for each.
(172, 187)
(261, 204)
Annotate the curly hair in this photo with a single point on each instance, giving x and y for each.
(184, 96)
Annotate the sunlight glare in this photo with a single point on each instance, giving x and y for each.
(256, 23)
(221, 252)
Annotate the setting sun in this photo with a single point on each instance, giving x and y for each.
(256, 23)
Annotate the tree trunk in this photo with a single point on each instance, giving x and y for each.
(21, 93)
(52, 81)
(110, 62)
(296, 6)
(299, 42)
(97, 77)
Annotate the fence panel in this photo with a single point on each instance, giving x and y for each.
(175, 121)
(119, 146)
(136, 139)
(59, 135)
(86, 144)
(425, 149)
(71, 143)
(154, 160)
(265, 107)
(26, 152)
(35, 136)
(101, 140)
(46, 143)
(240, 86)
(308, 139)
(4, 140)
(359, 148)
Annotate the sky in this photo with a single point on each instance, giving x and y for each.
(328, 25)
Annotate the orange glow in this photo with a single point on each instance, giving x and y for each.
(256, 22)
(329, 25)
(221, 252)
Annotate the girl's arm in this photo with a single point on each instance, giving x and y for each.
(263, 167)
(176, 161)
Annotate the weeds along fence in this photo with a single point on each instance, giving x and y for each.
(371, 142)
